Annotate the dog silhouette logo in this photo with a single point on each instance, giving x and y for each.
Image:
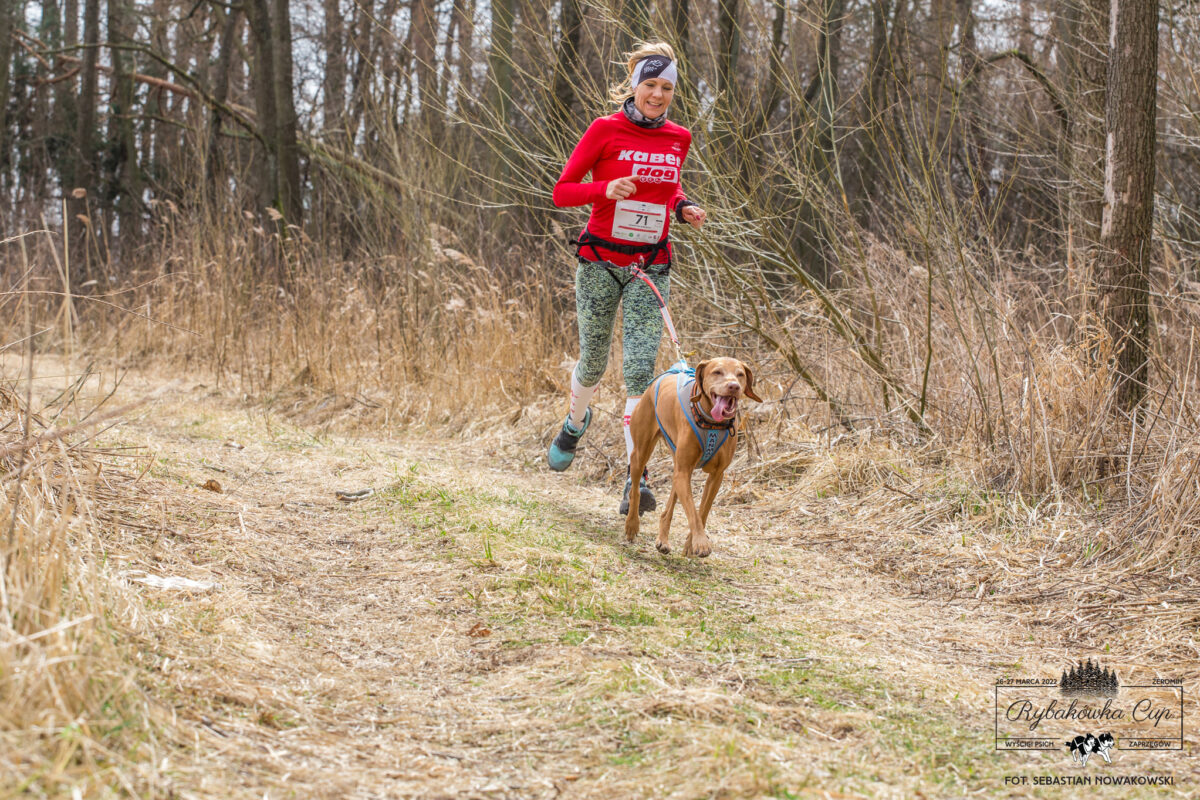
(1083, 746)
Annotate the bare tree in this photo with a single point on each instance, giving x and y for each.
(681, 28)
(153, 130)
(333, 88)
(500, 59)
(424, 27)
(1129, 189)
(1083, 53)
(279, 179)
(220, 82)
(728, 48)
(7, 20)
(566, 72)
(123, 178)
(81, 170)
(290, 198)
(822, 90)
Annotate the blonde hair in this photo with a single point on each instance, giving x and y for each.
(620, 92)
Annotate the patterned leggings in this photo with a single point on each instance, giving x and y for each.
(599, 289)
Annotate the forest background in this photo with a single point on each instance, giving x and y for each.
(909, 199)
(967, 228)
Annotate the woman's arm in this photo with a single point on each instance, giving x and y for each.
(686, 210)
(569, 191)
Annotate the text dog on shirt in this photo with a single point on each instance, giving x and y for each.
(652, 167)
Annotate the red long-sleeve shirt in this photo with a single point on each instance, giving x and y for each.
(611, 148)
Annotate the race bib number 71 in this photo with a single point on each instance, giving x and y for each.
(634, 221)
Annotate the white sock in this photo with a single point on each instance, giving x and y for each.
(630, 403)
(581, 398)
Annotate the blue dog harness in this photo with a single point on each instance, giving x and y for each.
(711, 435)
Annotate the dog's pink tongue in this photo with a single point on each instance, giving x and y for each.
(721, 408)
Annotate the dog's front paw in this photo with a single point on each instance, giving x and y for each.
(663, 546)
(631, 527)
(697, 546)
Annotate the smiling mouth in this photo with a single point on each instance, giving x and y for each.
(724, 407)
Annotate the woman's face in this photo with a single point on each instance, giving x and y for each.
(652, 97)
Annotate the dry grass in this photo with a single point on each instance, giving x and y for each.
(476, 629)
(1024, 437)
(71, 711)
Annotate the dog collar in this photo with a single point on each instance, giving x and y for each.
(704, 420)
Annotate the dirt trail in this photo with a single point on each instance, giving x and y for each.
(476, 628)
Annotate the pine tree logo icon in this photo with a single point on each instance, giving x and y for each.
(1089, 680)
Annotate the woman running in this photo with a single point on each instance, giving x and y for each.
(634, 156)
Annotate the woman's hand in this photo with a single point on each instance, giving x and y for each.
(694, 215)
(620, 188)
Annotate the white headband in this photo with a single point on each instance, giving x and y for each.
(655, 67)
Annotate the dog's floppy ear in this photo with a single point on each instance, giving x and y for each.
(749, 391)
(698, 386)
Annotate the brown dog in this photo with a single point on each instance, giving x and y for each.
(711, 403)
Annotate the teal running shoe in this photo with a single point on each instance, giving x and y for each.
(646, 501)
(562, 449)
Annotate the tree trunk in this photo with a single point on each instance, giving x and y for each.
(82, 172)
(823, 91)
(680, 12)
(500, 61)
(1084, 49)
(290, 198)
(1025, 27)
(7, 20)
(1129, 190)
(445, 77)
(874, 95)
(637, 12)
(424, 23)
(466, 56)
(364, 52)
(263, 79)
(771, 93)
(220, 83)
(975, 153)
(567, 72)
(124, 180)
(153, 131)
(334, 86)
(85, 135)
(279, 179)
(63, 131)
(394, 57)
(728, 47)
